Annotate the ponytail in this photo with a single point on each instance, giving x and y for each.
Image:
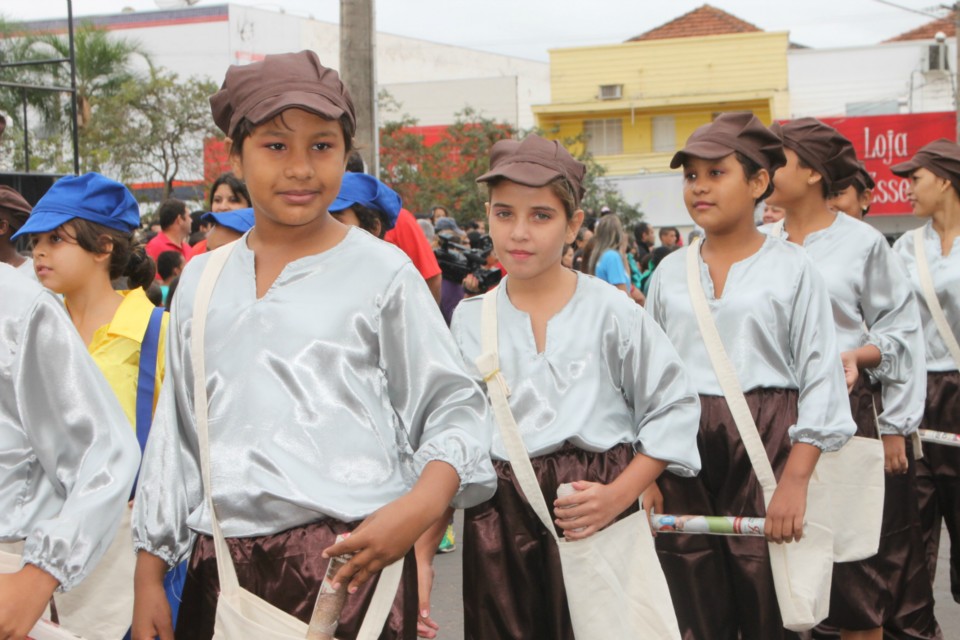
(140, 269)
(128, 258)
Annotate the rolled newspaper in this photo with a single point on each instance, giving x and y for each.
(711, 525)
(564, 490)
(940, 437)
(330, 601)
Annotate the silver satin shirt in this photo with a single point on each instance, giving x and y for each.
(869, 288)
(945, 272)
(775, 322)
(327, 397)
(67, 454)
(607, 376)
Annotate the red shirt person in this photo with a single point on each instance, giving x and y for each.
(408, 235)
(174, 218)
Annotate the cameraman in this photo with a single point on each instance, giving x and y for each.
(471, 286)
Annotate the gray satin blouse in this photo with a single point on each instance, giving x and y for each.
(327, 397)
(775, 321)
(608, 375)
(945, 272)
(869, 287)
(67, 454)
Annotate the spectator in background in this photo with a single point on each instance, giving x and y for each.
(436, 212)
(227, 226)
(169, 266)
(14, 211)
(643, 234)
(655, 258)
(198, 229)
(428, 231)
(772, 214)
(449, 225)
(669, 236)
(227, 193)
(567, 258)
(607, 259)
(175, 223)
(584, 236)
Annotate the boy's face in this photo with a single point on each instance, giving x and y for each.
(292, 166)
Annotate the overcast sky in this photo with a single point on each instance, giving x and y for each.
(529, 28)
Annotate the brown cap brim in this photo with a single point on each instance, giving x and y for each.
(706, 149)
(313, 102)
(525, 173)
(904, 169)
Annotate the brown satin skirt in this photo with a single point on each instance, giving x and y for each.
(512, 580)
(891, 589)
(938, 475)
(286, 570)
(722, 588)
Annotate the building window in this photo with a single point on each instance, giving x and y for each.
(604, 137)
(664, 134)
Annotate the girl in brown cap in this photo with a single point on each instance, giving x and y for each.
(605, 409)
(879, 335)
(332, 398)
(934, 175)
(855, 199)
(772, 313)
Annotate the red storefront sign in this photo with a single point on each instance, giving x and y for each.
(886, 140)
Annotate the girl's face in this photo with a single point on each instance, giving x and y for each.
(529, 227)
(791, 182)
(718, 194)
(567, 259)
(293, 166)
(61, 264)
(850, 202)
(927, 192)
(225, 199)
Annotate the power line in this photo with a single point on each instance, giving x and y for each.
(922, 12)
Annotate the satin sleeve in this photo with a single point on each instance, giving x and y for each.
(443, 410)
(170, 485)
(665, 404)
(888, 308)
(823, 419)
(80, 437)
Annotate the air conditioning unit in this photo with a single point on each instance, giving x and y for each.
(937, 57)
(611, 91)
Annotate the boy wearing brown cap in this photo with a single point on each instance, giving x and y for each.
(771, 310)
(878, 330)
(336, 400)
(934, 175)
(605, 410)
(14, 211)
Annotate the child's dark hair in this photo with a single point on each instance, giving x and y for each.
(127, 257)
(369, 218)
(168, 262)
(236, 185)
(750, 170)
(244, 128)
(824, 188)
(558, 186)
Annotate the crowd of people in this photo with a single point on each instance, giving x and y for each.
(307, 371)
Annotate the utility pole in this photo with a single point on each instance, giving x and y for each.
(359, 73)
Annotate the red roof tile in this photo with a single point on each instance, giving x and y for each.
(928, 31)
(703, 21)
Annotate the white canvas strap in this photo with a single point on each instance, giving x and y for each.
(489, 365)
(930, 295)
(777, 229)
(727, 376)
(390, 577)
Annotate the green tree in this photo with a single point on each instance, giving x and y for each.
(151, 130)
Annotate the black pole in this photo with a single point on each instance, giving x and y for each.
(73, 93)
(26, 136)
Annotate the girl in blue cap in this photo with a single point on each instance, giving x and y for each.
(82, 232)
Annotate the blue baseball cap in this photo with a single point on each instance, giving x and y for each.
(240, 220)
(90, 197)
(359, 188)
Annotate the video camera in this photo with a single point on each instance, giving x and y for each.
(457, 261)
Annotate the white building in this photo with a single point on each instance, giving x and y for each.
(431, 81)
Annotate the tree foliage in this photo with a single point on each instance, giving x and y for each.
(445, 172)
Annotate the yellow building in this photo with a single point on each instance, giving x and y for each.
(638, 101)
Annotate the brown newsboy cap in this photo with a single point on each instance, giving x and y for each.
(535, 162)
(261, 90)
(863, 180)
(738, 131)
(940, 157)
(13, 202)
(822, 148)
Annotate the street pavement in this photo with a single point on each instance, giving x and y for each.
(448, 607)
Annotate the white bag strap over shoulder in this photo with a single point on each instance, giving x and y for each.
(930, 295)
(390, 576)
(727, 376)
(489, 365)
(777, 229)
